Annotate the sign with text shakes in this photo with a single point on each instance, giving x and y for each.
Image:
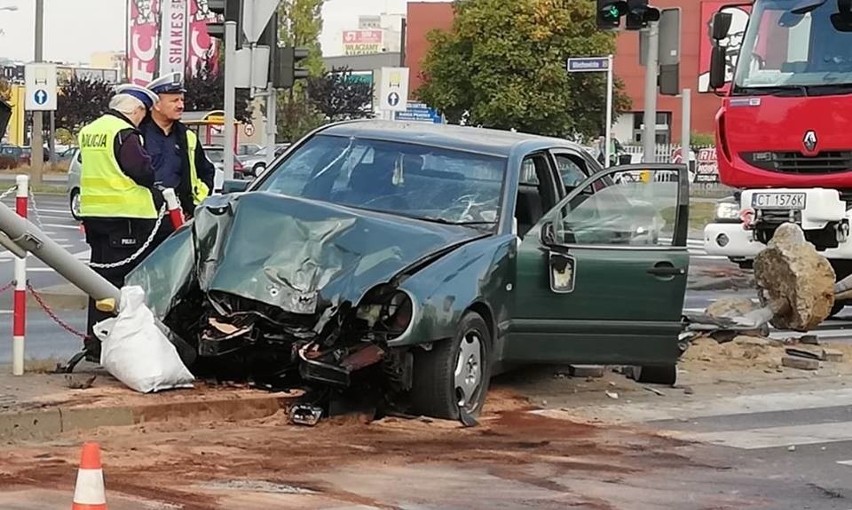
(419, 112)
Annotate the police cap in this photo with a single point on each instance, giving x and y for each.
(147, 97)
(171, 83)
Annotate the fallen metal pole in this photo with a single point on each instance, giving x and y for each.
(30, 238)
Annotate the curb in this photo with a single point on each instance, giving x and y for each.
(50, 423)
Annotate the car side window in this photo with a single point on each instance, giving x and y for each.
(572, 169)
(614, 211)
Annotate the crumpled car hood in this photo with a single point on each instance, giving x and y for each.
(302, 256)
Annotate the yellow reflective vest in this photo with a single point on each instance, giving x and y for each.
(199, 189)
(106, 191)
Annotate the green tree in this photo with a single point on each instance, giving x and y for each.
(81, 101)
(205, 91)
(502, 65)
(338, 96)
(5, 90)
(300, 24)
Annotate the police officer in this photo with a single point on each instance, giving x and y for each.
(176, 154)
(118, 202)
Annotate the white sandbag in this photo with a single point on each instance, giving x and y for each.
(136, 352)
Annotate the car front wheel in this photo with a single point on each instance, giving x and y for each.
(455, 373)
(74, 203)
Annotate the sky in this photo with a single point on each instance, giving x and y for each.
(70, 34)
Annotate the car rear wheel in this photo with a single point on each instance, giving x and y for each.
(257, 169)
(74, 203)
(655, 374)
(455, 373)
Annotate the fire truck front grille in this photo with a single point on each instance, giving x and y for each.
(828, 162)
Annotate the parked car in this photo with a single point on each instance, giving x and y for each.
(73, 186)
(12, 156)
(216, 155)
(256, 163)
(425, 259)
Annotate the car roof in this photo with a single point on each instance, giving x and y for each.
(487, 141)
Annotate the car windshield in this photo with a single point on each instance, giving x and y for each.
(424, 182)
(795, 44)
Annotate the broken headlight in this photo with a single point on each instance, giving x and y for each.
(387, 312)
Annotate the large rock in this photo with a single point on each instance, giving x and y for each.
(794, 279)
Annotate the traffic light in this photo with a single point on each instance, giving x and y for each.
(287, 67)
(225, 10)
(610, 13)
(639, 14)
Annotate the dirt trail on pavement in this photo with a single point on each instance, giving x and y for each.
(170, 462)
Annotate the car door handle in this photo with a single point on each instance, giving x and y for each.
(666, 269)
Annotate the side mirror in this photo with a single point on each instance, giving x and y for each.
(234, 186)
(548, 235)
(562, 272)
(721, 25)
(717, 67)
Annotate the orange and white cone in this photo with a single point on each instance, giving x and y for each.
(89, 494)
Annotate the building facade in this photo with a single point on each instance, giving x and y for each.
(422, 17)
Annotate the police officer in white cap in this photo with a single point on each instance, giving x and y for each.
(176, 154)
(118, 200)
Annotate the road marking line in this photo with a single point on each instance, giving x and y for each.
(55, 225)
(773, 437)
(845, 462)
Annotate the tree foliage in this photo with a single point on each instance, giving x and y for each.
(300, 24)
(502, 65)
(80, 101)
(205, 91)
(338, 97)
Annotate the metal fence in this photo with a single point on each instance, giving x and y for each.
(664, 153)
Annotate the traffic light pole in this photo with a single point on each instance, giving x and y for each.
(230, 95)
(271, 123)
(609, 87)
(649, 134)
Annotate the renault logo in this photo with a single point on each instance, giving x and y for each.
(810, 141)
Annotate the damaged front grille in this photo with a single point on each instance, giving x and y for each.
(797, 163)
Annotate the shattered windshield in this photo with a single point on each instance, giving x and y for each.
(424, 182)
(794, 45)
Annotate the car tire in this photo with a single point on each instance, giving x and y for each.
(257, 169)
(656, 374)
(436, 387)
(74, 204)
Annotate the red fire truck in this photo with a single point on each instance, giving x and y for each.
(784, 130)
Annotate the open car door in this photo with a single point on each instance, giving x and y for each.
(602, 277)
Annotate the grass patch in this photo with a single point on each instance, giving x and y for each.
(49, 189)
(700, 214)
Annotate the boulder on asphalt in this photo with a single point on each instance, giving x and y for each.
(794, 280)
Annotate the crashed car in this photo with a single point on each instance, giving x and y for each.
(425, 259)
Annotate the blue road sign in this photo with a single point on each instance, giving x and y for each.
(419, 112)
(393, 99)
(40, 96)
(588, 64)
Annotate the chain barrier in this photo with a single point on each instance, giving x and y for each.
(6, 287)
(9, 192)
(34, 207)
(141, 250)
(50, 313)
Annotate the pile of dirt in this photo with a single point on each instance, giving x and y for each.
(749, 353)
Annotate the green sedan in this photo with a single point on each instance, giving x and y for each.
(421, 260)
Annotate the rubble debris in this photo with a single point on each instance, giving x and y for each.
(803, 353)
(809, 340)
(79, 383)
(655, 391)
(794, 280)
(305, 414)
(612, 395)
(587, 370)
(832, 355)
(800, 363)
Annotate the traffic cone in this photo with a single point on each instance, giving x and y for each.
(89, 493)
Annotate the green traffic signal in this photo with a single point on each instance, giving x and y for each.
(612, 12)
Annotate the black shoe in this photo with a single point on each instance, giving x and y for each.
(92, 348)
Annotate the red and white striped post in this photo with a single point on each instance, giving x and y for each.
(19, 319)
(172, 204)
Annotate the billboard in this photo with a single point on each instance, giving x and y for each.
(173, 29)
(166, 36)
(362, 42)
(733, 42)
